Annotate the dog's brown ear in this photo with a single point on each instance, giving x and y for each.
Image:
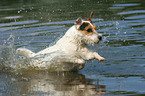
(78, 22)
(89, 19)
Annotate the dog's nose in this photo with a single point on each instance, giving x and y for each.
(100, 38)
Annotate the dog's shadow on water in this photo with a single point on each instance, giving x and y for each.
(45, 83)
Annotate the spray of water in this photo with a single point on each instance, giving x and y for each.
(7, 54)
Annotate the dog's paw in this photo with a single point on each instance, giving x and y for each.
(81, 66)
(101, 59)
(80, 61)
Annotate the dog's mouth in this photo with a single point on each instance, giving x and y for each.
(94, 43)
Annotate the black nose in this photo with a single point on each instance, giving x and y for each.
(100, 38)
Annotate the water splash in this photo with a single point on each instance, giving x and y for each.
(7, 51)
(10, 61)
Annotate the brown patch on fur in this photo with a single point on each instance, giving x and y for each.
(86, 33)
(94, 26)
(88, 30)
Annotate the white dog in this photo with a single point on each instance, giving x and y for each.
(70, 52)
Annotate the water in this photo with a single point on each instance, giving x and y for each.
(37, 24)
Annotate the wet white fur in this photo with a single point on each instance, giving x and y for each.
(66, 54)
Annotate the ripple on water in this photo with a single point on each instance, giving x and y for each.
(136, 17)
(131, 12)
(12, 17)
(127, 5)
(38, 25)
(18, 23)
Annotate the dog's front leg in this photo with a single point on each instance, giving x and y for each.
(97, 56)
(75, 60)
(81, 63)
(69, 59)
(93, 55)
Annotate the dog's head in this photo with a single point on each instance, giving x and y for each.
(88, 30)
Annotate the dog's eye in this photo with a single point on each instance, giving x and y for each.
(89, 30)
(83, 26)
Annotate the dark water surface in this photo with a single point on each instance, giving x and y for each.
(37, 24)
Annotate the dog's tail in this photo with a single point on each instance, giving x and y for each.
(25, 52)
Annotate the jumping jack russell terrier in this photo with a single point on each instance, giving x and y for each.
(70, 52)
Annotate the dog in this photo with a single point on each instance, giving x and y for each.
(69, 52)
